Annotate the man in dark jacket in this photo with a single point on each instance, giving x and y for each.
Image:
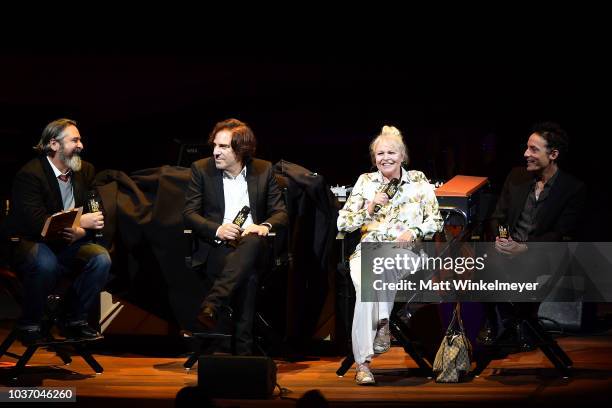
(57, 180)
(220, 187)
(538, 203)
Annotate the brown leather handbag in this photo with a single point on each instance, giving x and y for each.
(452, 360)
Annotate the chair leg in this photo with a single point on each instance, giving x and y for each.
(21, 363)
(81, 349)
(562, 355)
(62, 354)
(6, 344)
(409, 347)
(559, 365)
(193, 358)
(482, 362)
(257, 344)
(550, 348)
(346, 364)
(546, 339)
(202, 345)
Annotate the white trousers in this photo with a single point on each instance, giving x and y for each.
(366, 316)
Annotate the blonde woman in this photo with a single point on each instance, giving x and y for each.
(410, 215)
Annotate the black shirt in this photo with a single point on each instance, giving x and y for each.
(526, 222)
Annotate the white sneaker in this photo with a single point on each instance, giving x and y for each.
(382, 341)
(364, 376)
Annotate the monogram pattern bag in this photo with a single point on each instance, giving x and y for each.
(453, 357)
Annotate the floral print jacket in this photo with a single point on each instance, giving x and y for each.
(414, 206)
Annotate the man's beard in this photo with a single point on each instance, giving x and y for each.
(74, 161)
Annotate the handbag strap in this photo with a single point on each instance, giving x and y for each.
(456, 319)
(459, 318)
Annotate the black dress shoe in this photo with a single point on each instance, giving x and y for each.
(208, 317)
(81, 331)
(30, 337)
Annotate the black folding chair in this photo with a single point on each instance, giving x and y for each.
(50, 319)
(202, 340)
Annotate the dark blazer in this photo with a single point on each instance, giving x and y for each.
(205, 201)
(557, 219)
(36, 195)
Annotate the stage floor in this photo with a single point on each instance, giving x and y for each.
(520, 380)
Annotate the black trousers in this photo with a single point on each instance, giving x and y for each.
(505, 312)
(232, 273)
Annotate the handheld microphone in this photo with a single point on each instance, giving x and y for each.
(390, 190)
(239, 220)
(241, 216)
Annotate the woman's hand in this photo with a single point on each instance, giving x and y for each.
(407, 236)
(380, 198)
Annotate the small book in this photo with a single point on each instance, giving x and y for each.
(55, 224)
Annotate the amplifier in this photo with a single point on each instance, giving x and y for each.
(462, 193)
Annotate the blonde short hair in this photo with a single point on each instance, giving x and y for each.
(390, 134)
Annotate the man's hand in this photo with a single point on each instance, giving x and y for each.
(509, 246)
(228, 232)
(93, 220)
(261, 230)
(380, 198)
(73, 234)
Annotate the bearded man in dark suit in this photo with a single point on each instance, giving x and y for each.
(57, 180)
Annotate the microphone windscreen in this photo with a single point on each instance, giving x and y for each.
(390, 189)
(241, 216)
